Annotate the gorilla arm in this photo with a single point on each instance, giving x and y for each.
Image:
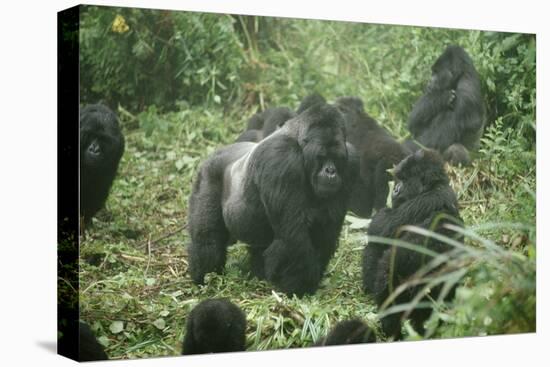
(469, 111)
(427, 107)
(291, 262)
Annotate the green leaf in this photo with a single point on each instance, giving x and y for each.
(160, 323)
(357, 223)
(116, 327)
(103, 340)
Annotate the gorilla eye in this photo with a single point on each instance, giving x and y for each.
(397, 188)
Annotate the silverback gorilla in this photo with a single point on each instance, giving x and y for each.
(215, 326)
(422, 197)
(449, 117)
(101, 147)
(286, 197)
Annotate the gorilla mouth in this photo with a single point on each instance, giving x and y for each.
(328, 186)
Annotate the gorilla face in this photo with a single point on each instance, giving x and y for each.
(101, 147)
(100, 138)
(417, 173)
(448, 69)
(442, 79)
(326, 158)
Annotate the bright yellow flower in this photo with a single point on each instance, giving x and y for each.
(119, 25)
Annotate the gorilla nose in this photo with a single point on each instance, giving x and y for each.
(330, 170)
(94, 148)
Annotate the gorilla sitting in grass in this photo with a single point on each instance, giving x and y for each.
(422, 197)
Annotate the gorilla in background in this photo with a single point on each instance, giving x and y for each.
(450, 116)
(286, 197)
(309, 101)
(101, 147)
(352, 331)
(378, 151)
(215, 326)
(264, 123)
(84, 348)
(422, 197)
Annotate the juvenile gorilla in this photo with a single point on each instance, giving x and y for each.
(449, 117)
(352, 331)
(378, 151)
(215, 326)
(285, 197)
(265, 123)
(101, 147)
(422, 197)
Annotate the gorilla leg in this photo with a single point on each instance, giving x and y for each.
(257, 261)
(209, 236)
(371, 257)
(292, 269)
(362, 201)
(383, 286)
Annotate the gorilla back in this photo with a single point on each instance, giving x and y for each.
(285, 197)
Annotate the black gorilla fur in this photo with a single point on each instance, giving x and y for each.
(311, 100)
(422, 197)
(378, 151)
(101, 147)
(450, 116)
(265, 123)
(285, 197)
(215, 326)
(84, 348)
(352, 331)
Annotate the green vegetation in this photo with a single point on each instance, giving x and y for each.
(185, 83)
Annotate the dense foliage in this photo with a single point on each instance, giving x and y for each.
(183, 85)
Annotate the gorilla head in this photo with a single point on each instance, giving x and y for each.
(449, 68)
(417, 174)
(324, 148)
(215, 326)
(352, 331)
(101, 147)
(310, 100)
